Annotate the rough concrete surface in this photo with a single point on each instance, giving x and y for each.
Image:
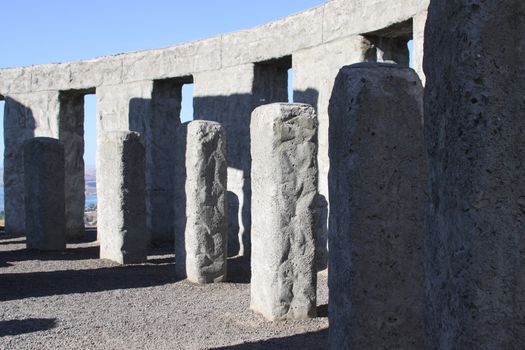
(206, 232)
(179, 198)
(284, 218)
(474, 130)
(73, 300)
(377, 192)
(44, 194)
(121, 195)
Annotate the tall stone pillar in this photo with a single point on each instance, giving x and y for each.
(121, 191)
(179, 199)
(377, 197)
(475, 135)
(284, 221)
(44, 194)
(71, 133)
(206, 233)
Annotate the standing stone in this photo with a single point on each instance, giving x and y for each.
(122, 198)
(45, 194)
(179, 198)
(206, 233)
(475, 135)
(284, 222)
(377, 196)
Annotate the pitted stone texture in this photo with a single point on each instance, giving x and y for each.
(44, 194)
(25, 116)
(206, 234)
(284, 221)
(71, 133)
(377, 194)
(179, 198)
(121, 191)
(474, 130)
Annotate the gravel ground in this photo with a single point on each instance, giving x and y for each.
(73, 300)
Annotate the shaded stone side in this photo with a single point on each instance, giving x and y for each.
(44, 194)
(159, 130)
(284, 221)
(179, 199)
(314, 75)
(206, 233)
(475, 135)
(25, 116)
(121, 191)
(71, 133)
(377, 195)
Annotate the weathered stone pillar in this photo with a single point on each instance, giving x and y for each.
(179, 198)
(474, 130)
(377, 197)
(121, 195)
(44, 194)
(206, 232)
(284, 222)
(71, 133)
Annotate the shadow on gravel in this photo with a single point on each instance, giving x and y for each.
(306, 341)
(15, 327)
(239, 270)
(14, 286)
(78, 253)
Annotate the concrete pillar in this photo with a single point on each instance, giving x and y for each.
(159, 130)
(227, 96)
(44, 194)
(419, 22)
(71, 133)
(25, 116)
(206, 233)
(314, 76)
(121, 191)
(179, 198)
(284, 193)
(377, 196)
(474, 130)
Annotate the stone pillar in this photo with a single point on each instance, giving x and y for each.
(71, 133)
(314, 76)
(25, 116)
(377, 196)
(179, 198)
(206, 232)
(121, 191)
(44, 194)
(159, 130)
(284, 222)
(474, 130)
(419, 22)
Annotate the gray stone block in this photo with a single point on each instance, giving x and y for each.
(45, 194)
(284, 221)
(377, 197)
(179, 199)
(206, 232)
(474, 130)
(121, 190)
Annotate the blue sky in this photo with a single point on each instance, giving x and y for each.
(37, 32)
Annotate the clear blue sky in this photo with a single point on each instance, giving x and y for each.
(36, 32)
(50, 31)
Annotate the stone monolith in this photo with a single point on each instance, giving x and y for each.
(475, 136)
(44, 177)
(377, 197)
(206, 231)
(122, 198)
(284, 219)
(179, 199)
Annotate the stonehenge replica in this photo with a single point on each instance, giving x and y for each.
(407, 183)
